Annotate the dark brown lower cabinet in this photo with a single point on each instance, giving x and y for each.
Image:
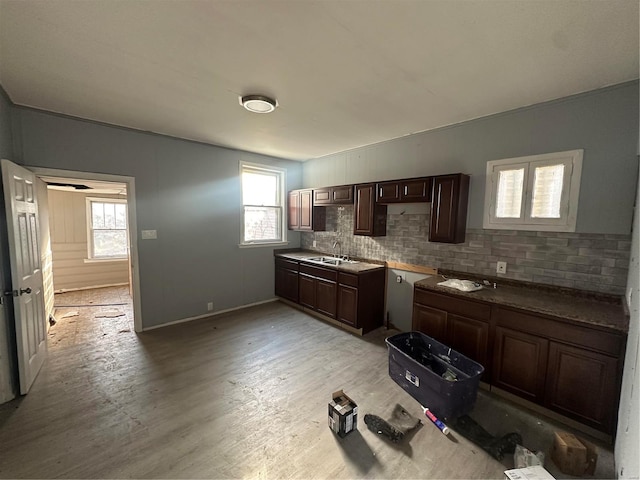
(286, 285)
(348, 304)
(582, 384)
(355, 299)
(471, 338)
(326, 292)
(307, 292)
(520, 363)
(431, 322)
(572, 369)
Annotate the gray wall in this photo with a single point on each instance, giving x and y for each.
(188, 192)
(604, 123)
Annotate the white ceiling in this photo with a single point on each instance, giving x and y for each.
(346, 73)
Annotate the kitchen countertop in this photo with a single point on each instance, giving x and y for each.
(359, 267)
(578, 307)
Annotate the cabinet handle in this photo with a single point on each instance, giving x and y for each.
(406, 189)
(380, 192)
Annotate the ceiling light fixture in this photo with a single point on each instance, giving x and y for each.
(258, 103)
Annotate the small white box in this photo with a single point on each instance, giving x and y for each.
(536, 472)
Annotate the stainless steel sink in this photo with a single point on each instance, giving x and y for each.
(330, 260)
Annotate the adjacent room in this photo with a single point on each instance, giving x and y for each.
(320, 239)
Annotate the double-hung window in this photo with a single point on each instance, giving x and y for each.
(262, 204)
(107, 228)
(538, 192)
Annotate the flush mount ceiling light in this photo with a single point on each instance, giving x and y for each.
(258, 103)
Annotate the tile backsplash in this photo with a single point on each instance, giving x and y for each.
(595, 262)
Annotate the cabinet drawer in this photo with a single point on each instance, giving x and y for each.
(288, 264)
(319, 272)
(605, 342)
(348, 279)
(451, 304)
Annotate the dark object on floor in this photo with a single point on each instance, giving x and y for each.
(382, 427)
(494, 446)
(400, 423)
(52, 320)
(417, 363)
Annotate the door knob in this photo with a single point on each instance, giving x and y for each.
(25, 290)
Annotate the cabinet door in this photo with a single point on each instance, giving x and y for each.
(287, 284)
(293, 210)
(582, 385)
(307, 290)
(418, 190)
(322, 196)
(369, 218)
(431, 322)
(306, 210)
(520, 363)
(348, 305)
(471, 338)
(388, 192)
(342, 195)
(449, 208)
(326, 293)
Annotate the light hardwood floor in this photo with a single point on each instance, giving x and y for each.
(240, 395)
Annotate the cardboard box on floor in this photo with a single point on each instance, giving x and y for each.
(574, 456)
(343, 414)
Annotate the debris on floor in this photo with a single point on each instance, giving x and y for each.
(52, 320)
(73, 313)
(494, 446)
(396, 427)
(523, 457)
(109, 314)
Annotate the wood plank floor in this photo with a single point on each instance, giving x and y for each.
(240, 395)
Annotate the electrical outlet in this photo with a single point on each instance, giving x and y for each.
(209, 306)
(501, 267)
(398, 278)
(149, 234)
(315, 244)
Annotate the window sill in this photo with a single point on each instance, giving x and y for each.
(255, 245)
(105, 260)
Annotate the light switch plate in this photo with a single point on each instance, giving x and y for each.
(149, 234)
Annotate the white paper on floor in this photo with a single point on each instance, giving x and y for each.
(70, 314)
(110, 314)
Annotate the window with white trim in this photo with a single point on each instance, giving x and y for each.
(538, 192)
(107, 229)
(262, 204)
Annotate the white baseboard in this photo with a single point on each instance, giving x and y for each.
(210, 314)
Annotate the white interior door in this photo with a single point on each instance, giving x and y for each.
(26, 271)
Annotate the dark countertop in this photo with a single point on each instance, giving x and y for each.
(359, 267)
(578, 308)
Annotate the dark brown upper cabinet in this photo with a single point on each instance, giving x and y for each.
(302, 214)
(370, 218)
(404, 191)
(342, 195)
(449, 208)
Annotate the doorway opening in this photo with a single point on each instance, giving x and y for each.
(91, 282)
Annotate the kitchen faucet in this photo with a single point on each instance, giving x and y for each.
(335, 244)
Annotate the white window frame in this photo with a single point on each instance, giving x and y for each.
(572, 161)
(280, 175)
(90, 254)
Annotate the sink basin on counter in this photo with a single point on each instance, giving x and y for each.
(329, 260)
